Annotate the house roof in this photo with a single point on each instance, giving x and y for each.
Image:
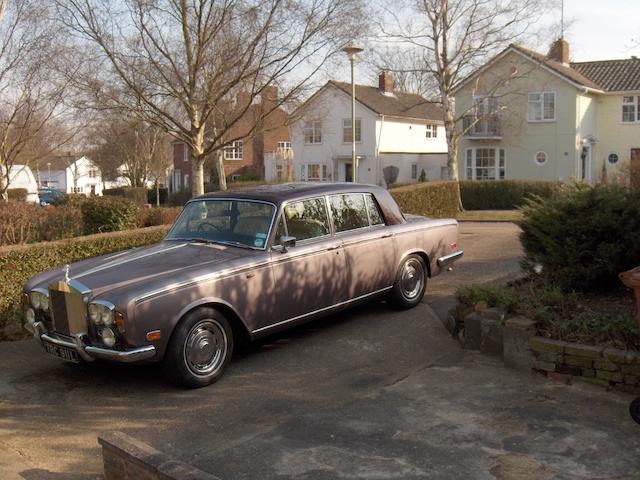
(602, 75)
(400, 104)
(564, 70)
(612, 75)
(59, 162)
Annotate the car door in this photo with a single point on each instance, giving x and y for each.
(367, 242)
(312, 275)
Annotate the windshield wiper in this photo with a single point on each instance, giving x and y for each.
(200, 240)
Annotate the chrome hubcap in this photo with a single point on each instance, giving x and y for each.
(205, 347)
(412, 279)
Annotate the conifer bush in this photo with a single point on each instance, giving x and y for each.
(582, 237)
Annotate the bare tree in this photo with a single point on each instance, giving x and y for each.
(32, 114)
(455, 37)
(179, 65)
(142, 150)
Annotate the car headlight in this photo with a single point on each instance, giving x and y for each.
(39, 300)
(100, 314)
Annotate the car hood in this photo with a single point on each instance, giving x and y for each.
(164, 263)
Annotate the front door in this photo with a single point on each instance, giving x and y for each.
(348, 172)
(585, 163)
(635, 168)
(312, 275)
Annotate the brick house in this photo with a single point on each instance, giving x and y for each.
(244, 156)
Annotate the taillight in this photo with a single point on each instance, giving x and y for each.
(454, 245)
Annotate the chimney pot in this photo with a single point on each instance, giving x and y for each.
(385, 82)
(559, 51)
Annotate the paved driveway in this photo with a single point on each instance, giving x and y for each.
(367, 394)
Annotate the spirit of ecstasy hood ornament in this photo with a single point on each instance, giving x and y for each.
(66, 273)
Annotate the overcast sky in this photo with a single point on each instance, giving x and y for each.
(602, 29)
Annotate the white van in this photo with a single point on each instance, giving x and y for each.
(21, 176)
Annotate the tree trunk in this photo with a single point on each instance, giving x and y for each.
(452, 146)
(157, 193)
(197, 175)
(222, 177)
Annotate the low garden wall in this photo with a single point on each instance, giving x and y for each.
(514, 339)
(126, 458)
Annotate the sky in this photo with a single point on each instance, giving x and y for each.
(602, 29)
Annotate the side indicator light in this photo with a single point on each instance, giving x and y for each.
(25, 299)
(119, 318)
(454, 246)
(154, 335)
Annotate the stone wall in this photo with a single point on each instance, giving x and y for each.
(126, 458)
(568, 361)
(514, 340)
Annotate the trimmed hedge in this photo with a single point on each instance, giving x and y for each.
(19, 263)
(431, 199)
(108, 214)
(138, 195)
(504, 194)
(584, 237)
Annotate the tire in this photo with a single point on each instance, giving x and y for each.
(200, 349)
(634, 409)
(410, 284)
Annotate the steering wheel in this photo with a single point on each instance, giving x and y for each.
(208, 224)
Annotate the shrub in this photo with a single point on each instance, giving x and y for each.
(57, 223)
(138, 195)
(17, 194)
(504, 194)
(423, 176)
(583, 237)
(19, 263)
(18, 222)
(178, 199)
(108, 214)
(149, 217)
(434, 199)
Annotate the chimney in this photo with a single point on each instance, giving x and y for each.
(559, 51)
(385, 82)
(269, 97)
(243, 99)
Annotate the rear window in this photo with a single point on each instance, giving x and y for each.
(307, 219)
(349, 211)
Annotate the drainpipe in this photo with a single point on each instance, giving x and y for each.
(377, 153)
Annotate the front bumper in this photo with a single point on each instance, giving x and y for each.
(89, 353)
(447, 260)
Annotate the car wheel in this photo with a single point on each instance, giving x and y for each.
(200, 349)
(634, 409)
(410, 284)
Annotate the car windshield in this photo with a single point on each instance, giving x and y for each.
(243, 223)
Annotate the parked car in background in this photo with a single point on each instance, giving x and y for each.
(234, 267)
(21, 177)
(48, 195)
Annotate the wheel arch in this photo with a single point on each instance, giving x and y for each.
(422, 254)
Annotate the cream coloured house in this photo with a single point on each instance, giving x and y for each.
(397, 133)
(534, 116)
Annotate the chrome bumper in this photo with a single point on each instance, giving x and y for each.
(450, 258)
(89, 352)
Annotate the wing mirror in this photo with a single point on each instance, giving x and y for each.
(287, 242)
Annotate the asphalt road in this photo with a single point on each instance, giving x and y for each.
(366, 394)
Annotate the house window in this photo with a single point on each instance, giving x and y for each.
(542, 107)
(346, 130)
(613, 158)
(314, 172)
(284, 145)
(540, 158)
(312, 133)
(234, 151)
(92, 173)
(185, 153)
(414, 171)
(76, 189)
(485, 163)
(631, 109)
(432, 131)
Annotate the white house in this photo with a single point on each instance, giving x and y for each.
(393, 129)
(543, 117)
(21, 176)
(122, 180)
(71, 176)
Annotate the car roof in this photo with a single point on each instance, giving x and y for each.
(283, 192)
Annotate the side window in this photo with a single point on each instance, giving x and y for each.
(307, 219)
(374, 211)
(280, 232)
(349, 211)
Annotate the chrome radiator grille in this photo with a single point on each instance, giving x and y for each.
(67, 310)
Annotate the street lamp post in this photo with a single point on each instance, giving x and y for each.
(351, 50)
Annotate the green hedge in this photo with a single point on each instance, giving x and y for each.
(108, 214)
(432, 199)
(504, 194)
(138, 195)
(19, 263)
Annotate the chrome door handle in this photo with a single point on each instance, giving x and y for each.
(333, 247)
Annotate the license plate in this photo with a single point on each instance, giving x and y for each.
(65, 353)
